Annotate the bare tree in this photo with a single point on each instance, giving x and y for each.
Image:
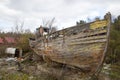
(18, 27)
(45, 22)
(48, 23)
(21, 27)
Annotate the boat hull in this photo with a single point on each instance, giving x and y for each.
(82, 47)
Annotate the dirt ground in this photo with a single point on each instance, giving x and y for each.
(39, 70)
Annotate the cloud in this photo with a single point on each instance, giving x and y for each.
(66, 12)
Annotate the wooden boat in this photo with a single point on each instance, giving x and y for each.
(82, 46)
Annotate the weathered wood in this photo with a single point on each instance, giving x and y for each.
(80, 46)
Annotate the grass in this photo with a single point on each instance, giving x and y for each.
(115, 72)
(22, 76)
(13, 76)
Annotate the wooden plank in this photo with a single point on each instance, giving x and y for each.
(89, 42)
(89, 38)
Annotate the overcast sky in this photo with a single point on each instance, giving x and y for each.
(66, 12)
